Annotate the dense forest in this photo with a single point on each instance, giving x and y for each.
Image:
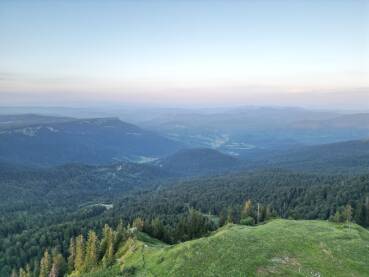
(184, 138)
(175, 211)
(45, 212)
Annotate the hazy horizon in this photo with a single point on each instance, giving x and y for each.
(284, 53)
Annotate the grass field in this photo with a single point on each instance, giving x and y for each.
(278, 248)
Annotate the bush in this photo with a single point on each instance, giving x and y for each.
(248, 221)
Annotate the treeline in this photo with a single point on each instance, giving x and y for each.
(249, 214)
(84, 255)
(347, 214)
(165, 210)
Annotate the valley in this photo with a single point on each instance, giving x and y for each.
(184, 138)
(62, 189)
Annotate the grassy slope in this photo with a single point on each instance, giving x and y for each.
(279, 248)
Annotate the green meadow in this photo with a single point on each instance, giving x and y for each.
(278, 248)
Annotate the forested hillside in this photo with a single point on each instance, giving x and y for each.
(165, 208)
(184, 138)
(349, 157)
(199, 161)
(45, 141)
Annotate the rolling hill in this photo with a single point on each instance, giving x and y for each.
(90, 141)
(344, 157)
(198, 161)
(73, 184)
(349, 121)
(248, 129)
(278, 248)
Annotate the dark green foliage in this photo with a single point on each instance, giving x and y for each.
(247, 221)
(199, 161)
(53, 206)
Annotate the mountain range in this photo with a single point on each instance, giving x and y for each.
(45, 141)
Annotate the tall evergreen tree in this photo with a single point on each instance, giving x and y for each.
(337, 217)
(107, 246)
(91, 252)
(72, 254)
(347, 213)
(14, 273)
(54, 271)
(108, 259)
(45, 264)
(28, 271)
(230, 218)
(247, 209)
(59, 264)
(22, 272)
(120, 236)
(80, 254)
(138, 223)
(36, 269)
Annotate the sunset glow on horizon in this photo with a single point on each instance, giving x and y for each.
(190, 52)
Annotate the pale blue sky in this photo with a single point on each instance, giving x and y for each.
(182, 51)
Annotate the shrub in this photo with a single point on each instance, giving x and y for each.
(248, 221)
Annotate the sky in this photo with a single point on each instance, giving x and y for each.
(300, 53)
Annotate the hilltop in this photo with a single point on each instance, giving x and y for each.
(49, 141)
(339, 157)
(198, 161)
(278, 248)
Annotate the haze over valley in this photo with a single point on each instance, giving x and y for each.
(184, 138)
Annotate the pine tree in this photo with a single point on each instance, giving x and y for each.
(54, 271)
(59, 265)
(138, 223)
(108, 246)
(14, 273)
(337, 217)
(72, 254)
(247, 209)
(347, 213)
(263, 213)
(36, 269)
(120, 236)
(91, 252)
(157, 228)
(268, 212)
(80, 254)
(28, 271)
(104, 241)
(230, 218)
(223, 217)
(22, 272)
(108, 259)
(45, 264)
(362, 213)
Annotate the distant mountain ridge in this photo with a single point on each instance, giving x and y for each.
(90, 141)
(245, 130)
(357, 121)
(346, 157)
(13, 121)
